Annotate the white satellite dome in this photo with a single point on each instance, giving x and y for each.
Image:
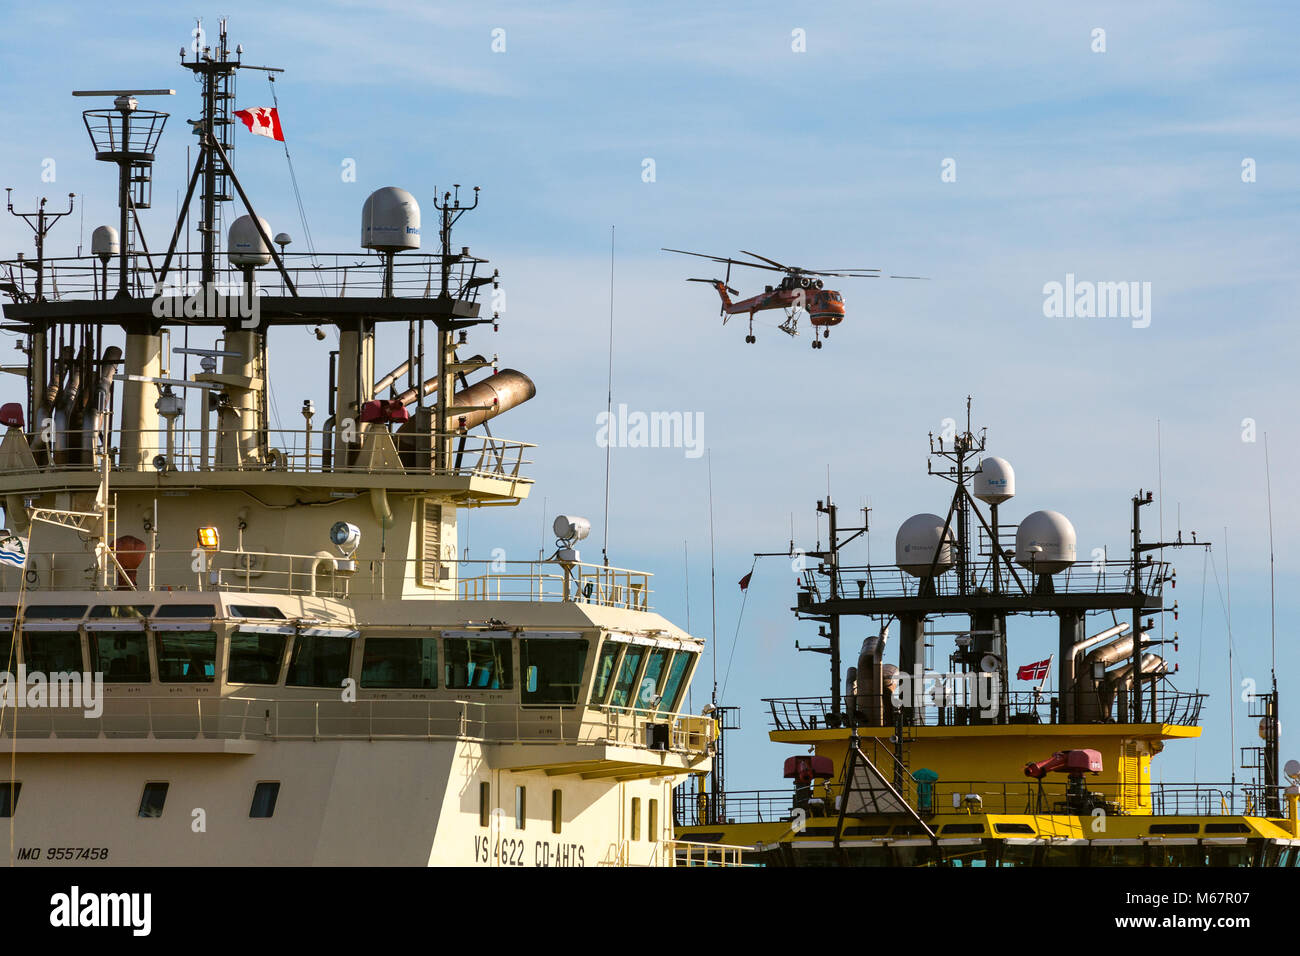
(103, 242)
(1045, 542)
(390, 220)
(245, 247)
(915, 544)
(995, 482)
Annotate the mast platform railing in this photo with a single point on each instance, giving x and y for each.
(332, 275)
(1171, 706)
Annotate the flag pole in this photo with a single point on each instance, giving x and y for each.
(1047, 672)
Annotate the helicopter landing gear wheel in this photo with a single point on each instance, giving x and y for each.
(750, 339)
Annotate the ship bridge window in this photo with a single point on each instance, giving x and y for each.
(46, 611)
(130, 612)
(255, 610)
(410, 662)
(551, 670)
(264, 796)
(648, 688)
(675, 682)
(479, 663)
(605, 671)
(52, 651)
(255, 658)
(319, 661)
(185, 610)
(186, 657)
(627, 672)
(9, 794)
(122, 657)
(7, 612)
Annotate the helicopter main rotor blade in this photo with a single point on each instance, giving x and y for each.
(699, 254)
(766, 259)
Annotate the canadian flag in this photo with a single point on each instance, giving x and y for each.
(262, 120)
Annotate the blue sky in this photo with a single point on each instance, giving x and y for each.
(1117, 166)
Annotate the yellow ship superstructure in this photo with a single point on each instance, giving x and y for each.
(934, 762)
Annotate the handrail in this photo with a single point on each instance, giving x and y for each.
(274, 718)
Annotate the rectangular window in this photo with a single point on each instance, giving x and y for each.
(609, 652)
(400, 662)
(186, 610)
(123, 658)
(52, 651)
(478, 663)
(484, 804)
(8, 652)
(678, 671)
(521, 807)
(186, 657)
(557, 810)
(9, 794)
(627, 672)
(652, 822)
(264, 796)
(636, 818)
(256, 610)
(255, 658)
(551, 670)
(319, 661)
(48, 611)
(122, 612)
(151, 802)
(648, 688)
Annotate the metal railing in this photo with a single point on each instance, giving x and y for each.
(320, 274)
(1171, 706)
(890, 581)
(686, 853)
(295, 451)
(269, 718)
(325, 575)
(949, 798)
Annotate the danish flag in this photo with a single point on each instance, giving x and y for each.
(1034, 671)
(262, 120)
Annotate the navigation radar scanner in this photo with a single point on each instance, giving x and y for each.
(390, 220)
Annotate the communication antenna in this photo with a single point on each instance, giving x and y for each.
(609, 397)
(41, 222)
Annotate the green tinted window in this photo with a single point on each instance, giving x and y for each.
(122, 658)
(186, 657)
(649, 686)
(255, 658)
(604, 671)
(551, 670)
(478, 663)
(400, 662)
(130, 612)
(52, 651)
(677, 672)
(626, 675)
(319, 661)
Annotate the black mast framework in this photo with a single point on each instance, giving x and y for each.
(127, 136)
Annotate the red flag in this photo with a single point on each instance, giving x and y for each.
(1034, 671)
(744, 582)
(262, 120)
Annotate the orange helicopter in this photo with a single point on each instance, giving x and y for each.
(798, 291)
